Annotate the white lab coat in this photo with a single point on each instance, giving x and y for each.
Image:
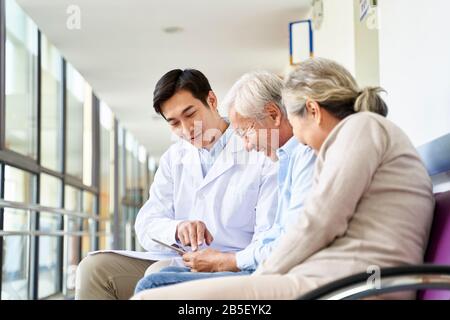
(236, 200)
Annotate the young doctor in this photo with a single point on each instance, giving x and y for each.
(207, 191)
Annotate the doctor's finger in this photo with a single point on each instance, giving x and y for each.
(193, 237)
(184, 238)
(201, 228)
(209, 237)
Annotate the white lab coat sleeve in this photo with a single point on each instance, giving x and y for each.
(156, 219)
(265, 211)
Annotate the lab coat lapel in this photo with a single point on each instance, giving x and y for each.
(224, 162)
(191, 164)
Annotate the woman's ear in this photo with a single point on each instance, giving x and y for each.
(314, 111)
(274, 113)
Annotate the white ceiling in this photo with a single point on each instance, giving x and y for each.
(122, 51)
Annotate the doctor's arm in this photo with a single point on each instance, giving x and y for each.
(156, 219)
(210, 260)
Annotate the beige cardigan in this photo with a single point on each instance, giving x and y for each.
(371, 204)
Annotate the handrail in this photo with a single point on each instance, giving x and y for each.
(53, 233)
(60, 211)
(391, 279)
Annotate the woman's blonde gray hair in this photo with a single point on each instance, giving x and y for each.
(332, 87)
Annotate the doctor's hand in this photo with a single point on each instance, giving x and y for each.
(210, 260)
(193, 233)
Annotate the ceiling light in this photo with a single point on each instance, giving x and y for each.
(172, 29)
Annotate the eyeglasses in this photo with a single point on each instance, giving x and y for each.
(245, 132)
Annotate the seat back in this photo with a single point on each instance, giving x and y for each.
(438, 251)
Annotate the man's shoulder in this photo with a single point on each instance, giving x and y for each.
(174, 153)
(303, 151)
(303, 156)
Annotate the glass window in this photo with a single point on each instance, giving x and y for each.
(142, 190)
(49, 222)
(49, 246)
(48, 266)
(72, 243)
(87, 241)
(20, 187)
(105, 240)
(50, 191)
(133, 194)
(121, 183)
(75, 95)
(89, 203)
(15, 220)
(51, 109)
(15, 268)
(87, 136)
(72, 199)
(89, 206)
(106, 161)
(151, 170)
(20, 76)
(73, 248)
(50, 196)
(106, 173)
(129, 228)
(143, 175)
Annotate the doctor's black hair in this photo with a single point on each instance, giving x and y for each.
(175, 80)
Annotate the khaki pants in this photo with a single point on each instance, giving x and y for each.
(110, 276)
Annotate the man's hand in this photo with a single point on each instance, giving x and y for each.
(209, 260)
(193, 233)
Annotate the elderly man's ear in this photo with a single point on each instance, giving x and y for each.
(274, 113)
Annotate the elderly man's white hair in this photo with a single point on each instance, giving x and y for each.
(252, 92)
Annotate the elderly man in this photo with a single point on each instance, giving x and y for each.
(259, 118)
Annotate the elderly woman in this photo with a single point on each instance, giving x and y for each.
(371, 202)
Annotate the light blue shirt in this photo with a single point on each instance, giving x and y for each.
(207, 157)
(295, 174)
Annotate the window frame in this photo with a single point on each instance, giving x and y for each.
(61, 106)
(32, 244)
(33, 166)
(2, 73)
(12, 155)
(2, 195)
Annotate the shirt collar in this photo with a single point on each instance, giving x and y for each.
(288, 148)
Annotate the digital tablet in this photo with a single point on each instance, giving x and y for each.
(173, 247)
